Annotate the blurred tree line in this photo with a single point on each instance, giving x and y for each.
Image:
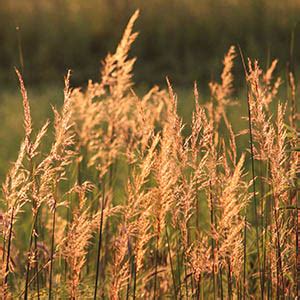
(185, 39)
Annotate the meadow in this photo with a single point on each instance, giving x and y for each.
(183, 39)
(115, 195)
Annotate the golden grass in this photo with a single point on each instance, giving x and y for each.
(183, 224)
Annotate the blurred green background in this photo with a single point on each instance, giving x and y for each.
(184, 39)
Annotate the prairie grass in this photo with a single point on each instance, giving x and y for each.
(127, 203)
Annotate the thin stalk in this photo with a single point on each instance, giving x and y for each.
(36, 260)
(202, 287)
(212, 239)
(179, 270)
(156, 265)
(128, 286)
(192, 284)
(34, 277)
(99, 245)
(253, 177)
(293, 119)
(264, 242)
(263, 237)
(269, 283)
(297, 251)
(229, 281)
(265, 226)
(198, 289)
(134, 279)
(221, 283)
(271, 224)
(280, 282)
(171, 264)
(197, 216)
(254, 195)
(106, 250)
(221, 278)
(69, 214)
(9, 245)
(106, 238)
(245, 259)
(185, 278)
(129, 280)
(28, 260)
(52, 252)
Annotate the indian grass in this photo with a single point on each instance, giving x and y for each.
(124, 205)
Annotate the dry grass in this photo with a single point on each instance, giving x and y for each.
(124, 206)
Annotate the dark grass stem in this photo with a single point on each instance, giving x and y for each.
(36, 263)
(155, 267)
(253, 181)
(28, 258)
(131, 269)
(212, 225)
(178, 269)
(171, 264)
(51, 254)
(9, 245)
(99, 243)
(134, 278)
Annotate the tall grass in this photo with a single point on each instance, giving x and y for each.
(123, 205)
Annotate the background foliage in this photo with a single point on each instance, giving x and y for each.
(183, 39)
